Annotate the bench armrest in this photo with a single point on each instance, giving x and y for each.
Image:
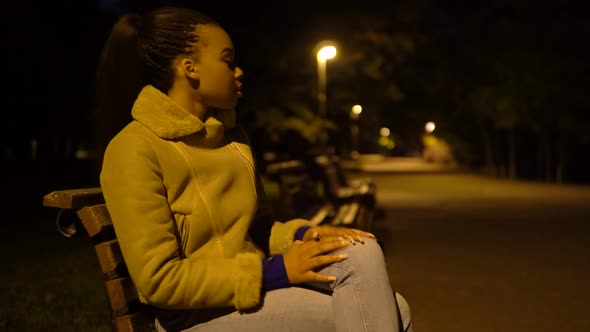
(73, 198)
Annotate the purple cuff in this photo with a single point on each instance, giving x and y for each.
(301, 232)
(274, 275)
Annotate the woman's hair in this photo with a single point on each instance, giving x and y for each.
(140, 51)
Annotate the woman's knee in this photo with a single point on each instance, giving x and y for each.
(362, 257)
(368, 252)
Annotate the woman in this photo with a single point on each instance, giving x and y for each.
(180, 184)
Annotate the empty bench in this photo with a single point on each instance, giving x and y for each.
(319, 197)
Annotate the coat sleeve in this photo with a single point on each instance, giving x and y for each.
(135, 195)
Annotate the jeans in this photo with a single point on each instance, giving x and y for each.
(361, 299)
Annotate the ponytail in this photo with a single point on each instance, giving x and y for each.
(119, 80)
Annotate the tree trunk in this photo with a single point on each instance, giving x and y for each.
(560, 163)
(490, 168)
(540, 152)
(512, 153)
(548, 168)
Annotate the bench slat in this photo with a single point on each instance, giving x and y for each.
(110, 259)
(96, 219)
(121, 293)
(73, 198)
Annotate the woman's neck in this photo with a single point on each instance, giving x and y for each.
(185, 99)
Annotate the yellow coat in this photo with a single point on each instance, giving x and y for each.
(182, 195)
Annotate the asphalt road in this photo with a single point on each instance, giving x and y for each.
(477, 254)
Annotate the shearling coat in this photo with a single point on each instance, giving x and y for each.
(182, 195)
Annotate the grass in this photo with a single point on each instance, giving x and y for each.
(53, 284)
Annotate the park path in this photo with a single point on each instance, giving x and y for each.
(477, 254)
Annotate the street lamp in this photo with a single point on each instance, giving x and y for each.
(355, 112)
(326, 51)
(429, 127)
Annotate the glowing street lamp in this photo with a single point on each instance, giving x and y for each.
(326, 51)
(429, 127)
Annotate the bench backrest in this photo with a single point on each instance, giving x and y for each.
(299, 195)
(127, 313)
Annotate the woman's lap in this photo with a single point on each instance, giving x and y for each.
(308, 309)
(288, 309)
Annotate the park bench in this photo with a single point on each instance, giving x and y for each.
(358, 196)
(298, 194)
(127, 313)
(304, 196)
(328, 168)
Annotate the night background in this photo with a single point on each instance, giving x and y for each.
(505, 82)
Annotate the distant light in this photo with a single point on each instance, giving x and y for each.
(357, 109)
(384, 132)
(326, 53)
(429, 127)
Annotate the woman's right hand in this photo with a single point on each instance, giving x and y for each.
(303, 258)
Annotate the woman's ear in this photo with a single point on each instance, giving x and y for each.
(188, 67)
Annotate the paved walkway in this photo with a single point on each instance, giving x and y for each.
(474, 254)
(380, 164)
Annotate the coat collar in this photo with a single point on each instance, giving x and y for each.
(168, 120)
(163, 116)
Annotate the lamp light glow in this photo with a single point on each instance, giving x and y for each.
(357, 109)
(326, 53)
(429, 127)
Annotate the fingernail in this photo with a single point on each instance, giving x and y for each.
(332, 278)
(344, 242)
(343, 256)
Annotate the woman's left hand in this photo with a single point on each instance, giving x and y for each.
(324, 231)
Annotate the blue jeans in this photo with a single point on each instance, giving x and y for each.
(361, 299)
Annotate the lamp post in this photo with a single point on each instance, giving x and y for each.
(326, 51)
(355, 112)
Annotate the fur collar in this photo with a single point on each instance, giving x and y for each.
(163, 116)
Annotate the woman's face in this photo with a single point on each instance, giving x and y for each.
(219, 78)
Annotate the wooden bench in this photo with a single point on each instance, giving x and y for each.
(127, 313)
(357, 198)
(298, 194)
(302, 196)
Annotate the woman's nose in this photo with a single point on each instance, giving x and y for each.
(239, 73)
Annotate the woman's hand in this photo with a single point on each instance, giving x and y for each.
(304, 258)
(327, 231)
